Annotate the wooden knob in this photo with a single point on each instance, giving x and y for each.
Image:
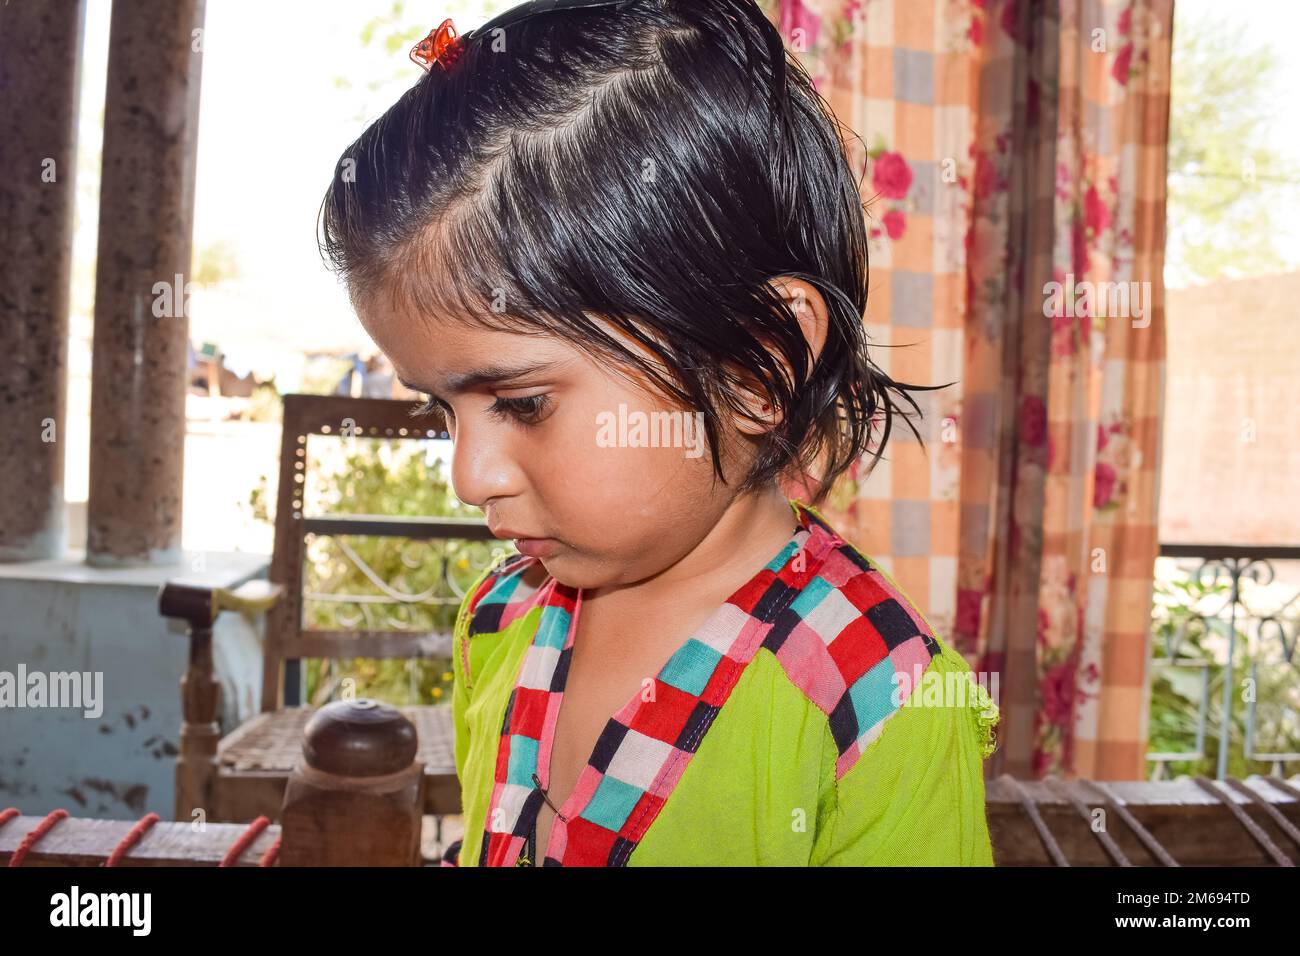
(359, 738)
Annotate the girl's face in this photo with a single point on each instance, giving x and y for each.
(551, 443)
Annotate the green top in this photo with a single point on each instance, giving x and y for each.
(774, 737)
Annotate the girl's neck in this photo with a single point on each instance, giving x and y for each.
(748, 534)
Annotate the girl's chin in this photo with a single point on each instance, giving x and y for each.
(571, 571)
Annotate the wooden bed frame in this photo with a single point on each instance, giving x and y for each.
(334, 817)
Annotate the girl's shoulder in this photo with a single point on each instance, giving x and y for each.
(861, 651)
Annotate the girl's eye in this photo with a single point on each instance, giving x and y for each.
(430, 406)
(527, 411)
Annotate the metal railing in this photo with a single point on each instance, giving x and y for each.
(1225, 569)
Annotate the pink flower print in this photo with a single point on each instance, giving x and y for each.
(1009, 26)
(1033, 421)
(1103, 486)
(1125, 22)
(895, 224)
(976, 32)
(892, 176)
(795, 16)
(968, 611)
(1123, 61)
(1063, 179)
(1058, 693)
(1095, 211)
(986, 176)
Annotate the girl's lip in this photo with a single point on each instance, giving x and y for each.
(537, 547)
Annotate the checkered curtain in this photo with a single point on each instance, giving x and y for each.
(1007, 145)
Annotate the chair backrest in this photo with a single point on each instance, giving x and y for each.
(287, 640)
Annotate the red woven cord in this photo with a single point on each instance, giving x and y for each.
(7, 814)
(244, 842)
(269, 857)
(131, 839)
(29, 841)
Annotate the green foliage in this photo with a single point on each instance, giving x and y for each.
(264, 405)
(217, 262)
(382, 477)
(404, 25)
(1225, 180)
(1176, 692)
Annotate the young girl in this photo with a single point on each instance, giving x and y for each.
(590, 232)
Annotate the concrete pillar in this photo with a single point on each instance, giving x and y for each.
(40, 59)
(146, 212)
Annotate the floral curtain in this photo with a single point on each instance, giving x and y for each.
(1013, 154)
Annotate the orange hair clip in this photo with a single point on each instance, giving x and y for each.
(443, 45)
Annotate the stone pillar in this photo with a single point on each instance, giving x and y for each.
(146, 212)
(40, 60)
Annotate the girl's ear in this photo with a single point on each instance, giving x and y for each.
(809, 307)
(806, 302)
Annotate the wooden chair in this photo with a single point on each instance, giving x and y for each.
(243, 775)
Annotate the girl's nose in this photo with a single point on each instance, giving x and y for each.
(482, 466)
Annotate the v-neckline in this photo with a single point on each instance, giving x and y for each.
(640, 755)
(620, 722)
(546, 746)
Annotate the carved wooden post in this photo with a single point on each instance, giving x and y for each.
(200, 697)
(198, 607)
(357, 794)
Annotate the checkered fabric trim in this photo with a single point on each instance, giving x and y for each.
(838, 627)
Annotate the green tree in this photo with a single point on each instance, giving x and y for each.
(1176, 691)
(1225, 179)
(216, 262)
(382, 477)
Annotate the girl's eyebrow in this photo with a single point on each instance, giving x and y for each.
(489, 375)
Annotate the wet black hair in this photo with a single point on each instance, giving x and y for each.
(651, 166)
